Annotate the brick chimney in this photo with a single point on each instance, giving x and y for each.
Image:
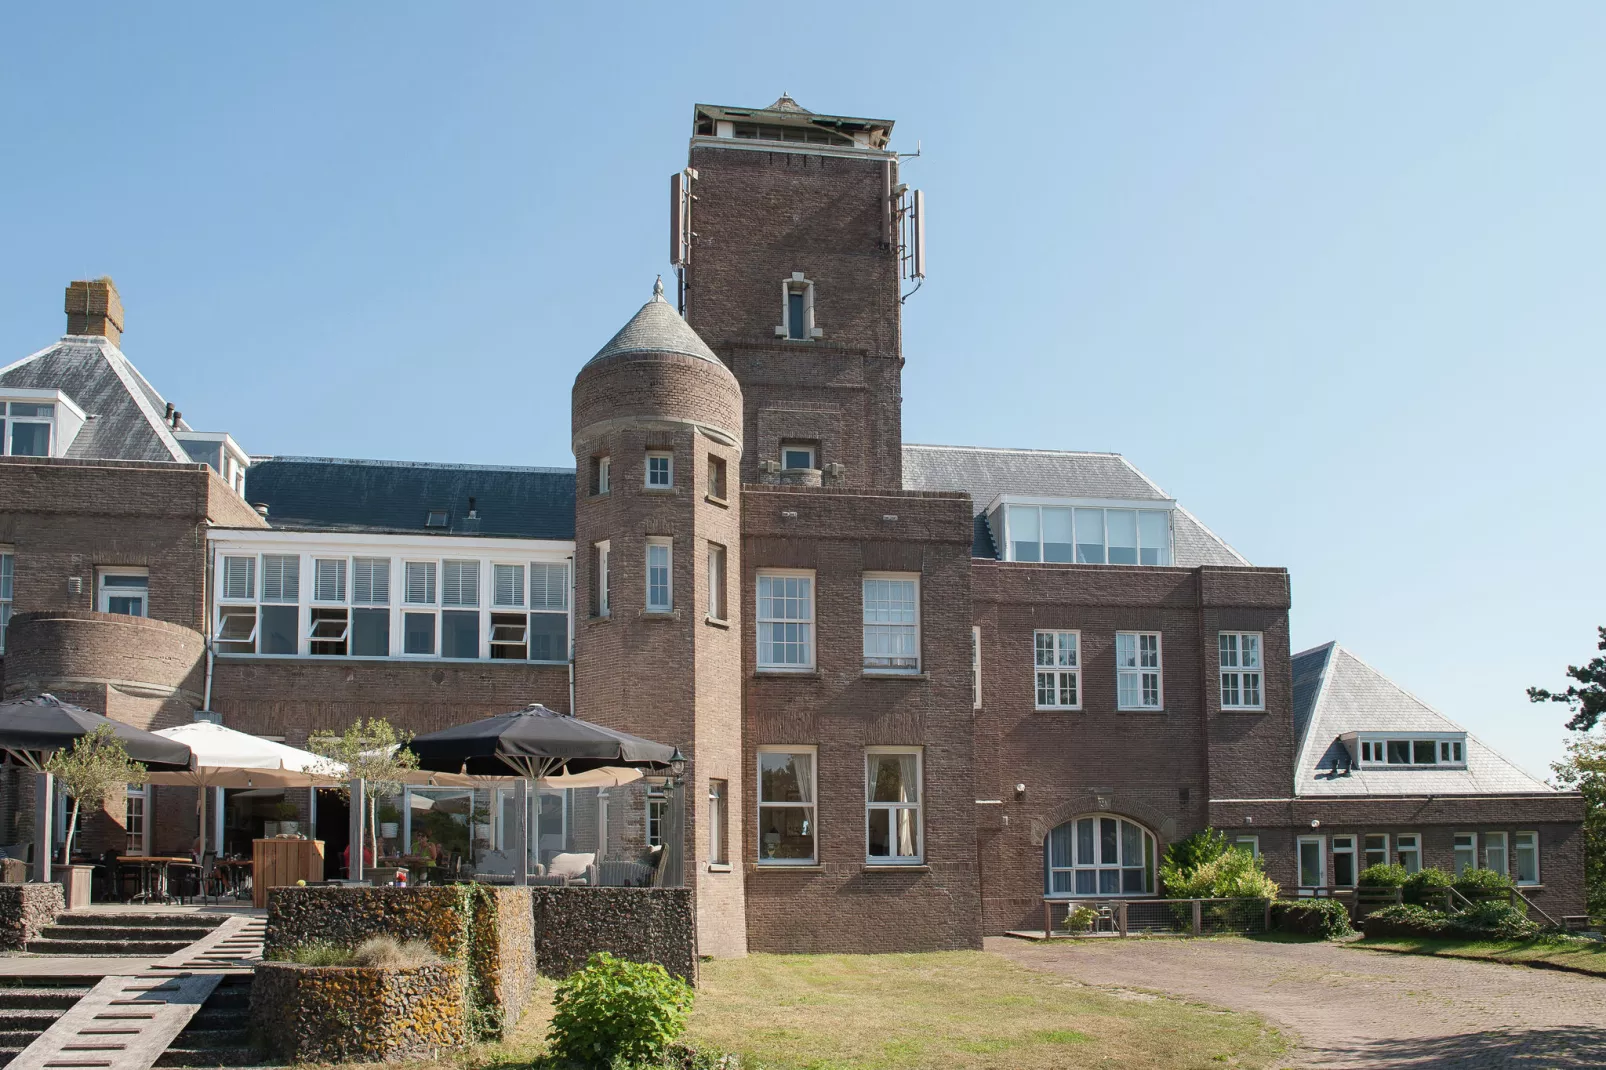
(93, 307)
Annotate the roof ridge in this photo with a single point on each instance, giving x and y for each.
(1024, 449)
(1206, 528)
(35, 356)
(124, 369)
(447, 466)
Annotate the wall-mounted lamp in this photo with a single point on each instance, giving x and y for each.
(677, 763)
(1020, 790)
(1315, 824)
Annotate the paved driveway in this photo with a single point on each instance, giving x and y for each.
(1352, 1008)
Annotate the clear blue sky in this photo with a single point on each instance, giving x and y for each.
(1331, 274)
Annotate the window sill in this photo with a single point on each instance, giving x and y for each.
(660, 614)
(719, 867)
(1243, 709)
(714, 499)
(1140, 709)
(1057, 709)
(896, 867)
(601, 618)
(872, 674)
(660, 490)
(717, 622)
(782, 674)
(782, 867)
(598, 494)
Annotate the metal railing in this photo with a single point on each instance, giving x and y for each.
(1152, 917)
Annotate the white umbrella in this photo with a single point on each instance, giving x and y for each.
(225, 758)
(608, 776)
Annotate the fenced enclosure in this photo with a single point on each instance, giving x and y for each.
(1155, 917)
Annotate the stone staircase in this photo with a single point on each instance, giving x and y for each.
(89, 934)
(30, 1005)
(220, 1032)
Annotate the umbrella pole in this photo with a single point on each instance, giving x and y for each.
(521, 803)
(202, 837)
(359, 816)
(44, 813)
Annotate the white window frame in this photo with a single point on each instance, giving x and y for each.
(653, 812)
(717, 592)
(975, 667)
(411, 607)
(668, 457)
(805, 625)
(1321, 864)
(918, 806)
(104, 594)
(1367, 851)
(7, 422)
(718, 822)
(806, 449)
(1151, 861)
(913, 579)
(1233, 666)
(511, 568)
(141, 793)
(1401, 849)
(813, 819)
(604, 474)
(1504, 850)
(1054, 668)
(808, 330)
(1166, 554)
(1372, 750)
(604, 604)
(338, 569)
(1140, 670)
(1517, 847)
(1457, 847)
(667, 545)
(1251, 842)
(8, 581)
(1346, 844)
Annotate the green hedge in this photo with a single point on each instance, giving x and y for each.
(1482, 921)
(1326, 918)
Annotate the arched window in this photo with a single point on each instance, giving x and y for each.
(1100, 855)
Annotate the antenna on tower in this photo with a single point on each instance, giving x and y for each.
(680, 232)
(911, 217)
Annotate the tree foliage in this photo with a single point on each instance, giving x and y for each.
(1584, 771)
(1586, 698)
(91, 770)
(372, 751)
(1203, 866)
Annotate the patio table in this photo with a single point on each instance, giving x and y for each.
(235, 870)
(153, 874)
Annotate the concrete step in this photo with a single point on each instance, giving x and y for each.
(18, 998)
(8, 1053)
(126, 920)
(106, 947)
(29, 1023)
(178, 1055)
(145, 933)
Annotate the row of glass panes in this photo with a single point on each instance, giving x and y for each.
(1415, 752)
(1407, 852)
(786, 622)
(1057, 661)
(459, 582)
(27, 432)
(340, 631)
(788, 831)
(1087, 536)
(1100, 856)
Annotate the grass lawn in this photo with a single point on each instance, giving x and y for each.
(1573, 953)
(954, 1010)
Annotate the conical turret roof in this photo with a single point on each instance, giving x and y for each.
(657, 328)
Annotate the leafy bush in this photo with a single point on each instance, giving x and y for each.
(1384, 875)
(1476, 883)
(1187, 855)
(1405, 919)
(1426, 886)
(1326, 918)
(1231, 874)
(1080, 920)
(1492, 920)
(617, 1011)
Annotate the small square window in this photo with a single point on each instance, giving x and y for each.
(660, 470)
(435, 518)
(716, 477)
(797, 455)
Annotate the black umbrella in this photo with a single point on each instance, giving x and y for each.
(32, 729)
(536, 742)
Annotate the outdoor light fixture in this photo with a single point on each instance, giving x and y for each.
(1315, 823)
(677, 763)
(1020, 789)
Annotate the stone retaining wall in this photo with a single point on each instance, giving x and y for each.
(640, 924)
(25, 909)
(323, 1014)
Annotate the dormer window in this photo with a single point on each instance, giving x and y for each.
(435, 518)
(1085, 535)
(797, 310)
(1411, 751)
(28, 428)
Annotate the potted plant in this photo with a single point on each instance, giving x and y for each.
(289, 818)
(90, 770)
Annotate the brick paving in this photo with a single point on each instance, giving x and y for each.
(1350, 1008)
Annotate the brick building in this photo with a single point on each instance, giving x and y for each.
(920, 688)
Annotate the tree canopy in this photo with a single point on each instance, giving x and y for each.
(1586, 698)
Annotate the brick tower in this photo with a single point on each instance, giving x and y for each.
(657, 445)
(786, 224)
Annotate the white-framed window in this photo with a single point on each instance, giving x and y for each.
(975, 667)
(1100, 855)
(549, 611)
(785, 621)
(1137, 671)
(1414, 751)
(604, 475)
(1408, 851)
(1058, 659)
(29, 429)
(657, 806)
(1248, 843)
(1087, 536)
(419, 598)
(370, 615)
(135, 806)
(1240, 671)
(239, 578)
(660, 470)
(786, 825)
(893, 832)
(891, 623)
(716, 581)
(281, 578)
(660, 570)
(125, 590)
(329, 579)
(1464, 852)
(600, 578)
(797, 310)
(7, 568)
(507, 586)
(716, 477)
(1375, 848)
(1312, 862)
(718, 816)
(1525, 846)
(460, 618)
(1494, 852)
(797, 455)
(1344, 872)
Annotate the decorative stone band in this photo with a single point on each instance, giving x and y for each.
(601, 428)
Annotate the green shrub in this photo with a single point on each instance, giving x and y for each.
(617, 1011)
(1326, 918)
(1080, 920)
(1405, 919)
(1482, 883)
(1426, 886)
(1187, 855)
(1232, 874)
(1384, 875)
(1492, 920)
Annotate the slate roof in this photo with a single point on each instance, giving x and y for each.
(657, 328)
(333, 494)
(985, 472)
(1336, 692)
(124, 411)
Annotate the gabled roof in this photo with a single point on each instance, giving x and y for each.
(657, 328)
(1336, 693)
(985, 472)
(332, 494)
(124, 411)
